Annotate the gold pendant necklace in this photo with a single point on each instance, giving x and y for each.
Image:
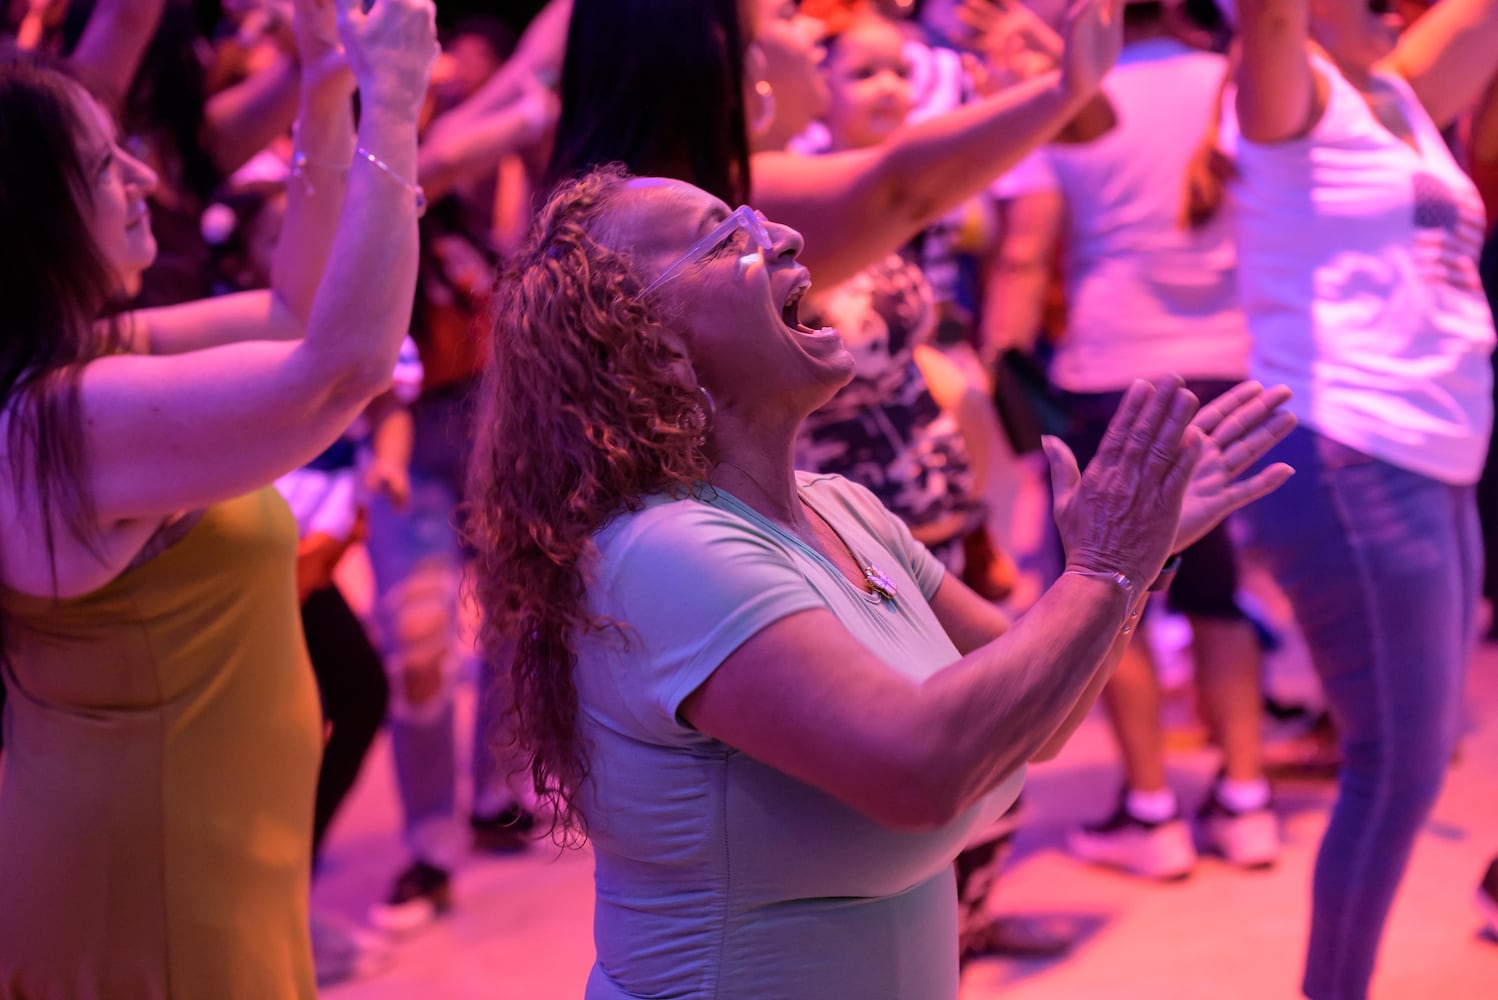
(878, 582)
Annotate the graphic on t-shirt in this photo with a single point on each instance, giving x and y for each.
(1448, 235)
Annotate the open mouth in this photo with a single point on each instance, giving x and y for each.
(790, 313)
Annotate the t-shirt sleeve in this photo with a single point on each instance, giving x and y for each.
(690, 585)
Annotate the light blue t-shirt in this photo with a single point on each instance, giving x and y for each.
(718, 876)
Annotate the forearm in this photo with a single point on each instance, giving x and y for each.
(449, 157)
(362, 306)
(394, 432)
(937, 164)
(113, 43)
(1089, 697)
(996, 708)
(314, 202)
(241, 120)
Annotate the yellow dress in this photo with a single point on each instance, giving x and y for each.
(162, 739)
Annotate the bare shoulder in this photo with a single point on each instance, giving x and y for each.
(29, 559)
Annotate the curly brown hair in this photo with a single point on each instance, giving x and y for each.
(586, 410)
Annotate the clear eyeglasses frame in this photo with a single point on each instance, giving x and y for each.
(743, 217)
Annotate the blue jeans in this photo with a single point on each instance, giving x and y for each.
(418, 562)
(1382, 567)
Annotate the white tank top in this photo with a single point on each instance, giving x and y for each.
(1358, 275)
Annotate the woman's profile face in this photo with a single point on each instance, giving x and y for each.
(792, 47)
(119, 184)
(734, 307)
(868, 82)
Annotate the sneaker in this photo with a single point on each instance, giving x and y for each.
(1248, 839)
(421, 894)
(508, 831)
(1161, 851)
(1487, 897)
(341, 953)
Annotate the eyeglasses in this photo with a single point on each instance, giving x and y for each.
(743, 217)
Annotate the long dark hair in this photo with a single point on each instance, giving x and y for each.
(54, 283)
(656, 85)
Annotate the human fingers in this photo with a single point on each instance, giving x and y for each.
(1155, 437)
(1136, 397)
(1063, 463)
(1213, 413)
(1249, 448)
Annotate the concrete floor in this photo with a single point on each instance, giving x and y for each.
(521, 926)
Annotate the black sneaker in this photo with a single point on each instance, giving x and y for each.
(508, 831)
(1125, 842)
(1487, 897)
(421, 894)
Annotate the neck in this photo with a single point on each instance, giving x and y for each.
(758, 469)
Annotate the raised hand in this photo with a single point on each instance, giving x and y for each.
(391, 49)
(1239, 428)
(1094, 38)
(1121, 515)
(325, 72)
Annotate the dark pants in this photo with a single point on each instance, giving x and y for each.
(351, 680)
(1207, 583)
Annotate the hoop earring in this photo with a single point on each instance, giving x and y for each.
(706, 411)
(760, 123)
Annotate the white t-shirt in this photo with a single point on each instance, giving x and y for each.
(1146, 296)
(1359, 279)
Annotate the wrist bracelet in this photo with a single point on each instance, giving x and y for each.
(1167, 573)
(300, 161)
(1122, 581)
(388, 171)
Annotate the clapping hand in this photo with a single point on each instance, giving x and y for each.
(1121, 515)
(1239, 428)
(391, 49)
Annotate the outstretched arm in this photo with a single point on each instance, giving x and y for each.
(171, 433)
(314, 205)
(1449, 56)
(854, 207)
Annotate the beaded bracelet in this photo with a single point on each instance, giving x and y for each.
(387, 170)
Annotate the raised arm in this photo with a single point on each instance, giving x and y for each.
(170, 433)
(112, 45)
(538, 56)
(855, 207)
(1449, 56)
(1280, 95)
(314, 202)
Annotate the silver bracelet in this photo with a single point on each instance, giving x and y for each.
(300, 161)
(1122, 581)
(387, 170)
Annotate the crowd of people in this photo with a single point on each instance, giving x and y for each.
(739, 565)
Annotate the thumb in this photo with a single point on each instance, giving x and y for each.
(1064, 472)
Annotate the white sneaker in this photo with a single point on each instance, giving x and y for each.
(1248, 839)
(1161, 851)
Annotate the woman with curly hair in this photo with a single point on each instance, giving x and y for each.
(773, 713)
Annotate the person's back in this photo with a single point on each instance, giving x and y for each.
(1146, 294)
(163, 737)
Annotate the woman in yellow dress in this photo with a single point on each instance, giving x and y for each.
(162, 730)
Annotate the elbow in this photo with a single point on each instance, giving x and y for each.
(918, 792)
